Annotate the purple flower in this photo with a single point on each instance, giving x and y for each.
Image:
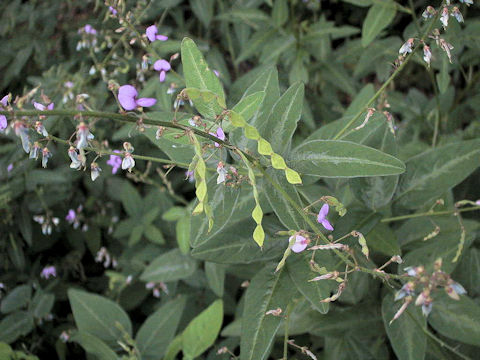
(152, 34)
(115, 162)
(127, 95)
(113, 10)
(88, 29)
(3, 122)
(300, 244)
(42, 107)
(190, 175)
(219, 134)
(48, 271)
(10, 167)
(4, 101)
(163, 66)
(71, 216)
(322, 217)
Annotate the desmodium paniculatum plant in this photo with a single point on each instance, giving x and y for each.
(240, 180)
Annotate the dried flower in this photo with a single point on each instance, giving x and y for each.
(222, 173)
(46, 154)
(83, 135)
(95, 171)
(446, 47)
(444, 18)
(406, 47)
(429, 12)
(427, 54)
(457, 14)
(128, 162)
(76, 163)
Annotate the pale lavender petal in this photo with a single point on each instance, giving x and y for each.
(162, 76)
(161, 64)
(299, 247)
(146, 102)
(4, 101)
(326, 224)
(3, 122)
(39, 106)
(50, 106)
(220, 134)
(161, 37)
(151, 33)
(324, 210)
(126, 96)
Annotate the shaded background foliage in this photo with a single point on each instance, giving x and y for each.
(138, 219)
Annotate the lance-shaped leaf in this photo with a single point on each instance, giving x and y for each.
(170, 266)
(435, 171)
(378, 18)
(336, 158)
(196, 71)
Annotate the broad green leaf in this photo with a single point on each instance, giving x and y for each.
(131, 200)
(337, 158)
(208, 104)
(277, 46)
(158, 330)
(174, 348)
(174, 213)
(182, 229)
(433, 172)
(379, 16)
(284, 117)
(93, 345)
(215, 277)
(42, 304)
(16, 299)
(456, 319)
(203, 330)
(267, 291)
(375, 192)
(196, 71)
(249, 104)
(405, 334)
(282, 208)
(99, 316)
(314, 291)
(234, 245)
(15, 325)
(383, 240)
(280, 12)
(170, 266)
(153, 234)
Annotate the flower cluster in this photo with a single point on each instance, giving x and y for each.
(422, 285)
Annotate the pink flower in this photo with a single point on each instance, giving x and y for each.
(219, 134)
(48, 271)
(71, 216)
(10, 167)
(152, 32)
(42, 107)
(301, 243)
(115, 162)
(127, 95)
(163, 66)
(322, 217)
(3, 122)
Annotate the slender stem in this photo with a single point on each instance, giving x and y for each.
(115, 116)
(285, 338)
(387, 83)
(429, 213)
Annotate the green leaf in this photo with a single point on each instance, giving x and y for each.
(203, 10)
(93, 345)
(215, 277)
(99, 316)
(158, 330)
(15, 325)
(182, 229)
(405, 334)
(314, 291)
(337, 158)
(456, 319)
(196, 71)
(284, 117)
(170, 266)
(282, 208)
(383, 240)
(153, 234)
(42, 304)
(206, 102)
(280, 12)
(249, 104)
(131, 200)
(203, 330)
(433, 172)
(16, 299)
(379, 16)
(267, 291)
(174, 213)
